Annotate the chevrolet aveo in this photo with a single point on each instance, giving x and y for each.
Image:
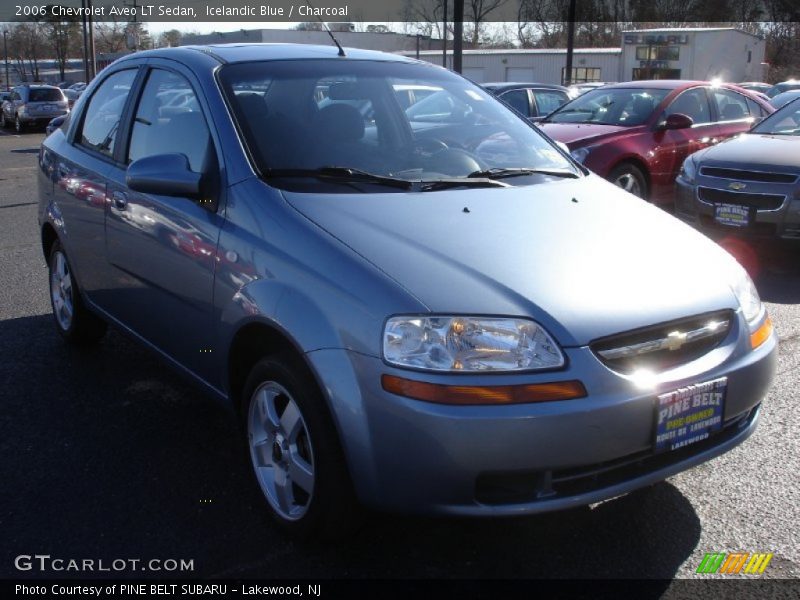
(425, 308)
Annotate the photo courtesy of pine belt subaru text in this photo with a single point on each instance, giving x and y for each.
(413, 298)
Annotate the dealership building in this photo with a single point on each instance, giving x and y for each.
(683, 53)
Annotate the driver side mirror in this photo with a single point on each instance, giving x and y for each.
(164, 175)
(677, 121)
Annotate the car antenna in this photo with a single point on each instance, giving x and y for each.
(328, 29)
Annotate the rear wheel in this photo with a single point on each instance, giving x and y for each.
(631, 179)
(73, 321)
(295, 452)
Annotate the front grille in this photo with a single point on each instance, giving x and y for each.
(741, 175)
(532, 486)
(664, 346)
(757, 201)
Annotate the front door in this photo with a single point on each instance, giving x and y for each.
(672, 146)
(162, 250)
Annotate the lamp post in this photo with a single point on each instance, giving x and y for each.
(5, 55)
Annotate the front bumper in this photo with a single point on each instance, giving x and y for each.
(415, 457)
(781, 223)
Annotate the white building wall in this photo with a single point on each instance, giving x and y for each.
(725, 54)
(529, 66)
(704, 55)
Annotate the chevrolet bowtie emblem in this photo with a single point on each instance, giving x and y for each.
(737, 185)
(675, 340)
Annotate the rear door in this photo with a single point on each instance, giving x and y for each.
(80, 168)
(163, 250)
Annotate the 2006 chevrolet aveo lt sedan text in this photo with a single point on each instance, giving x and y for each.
(426, 308)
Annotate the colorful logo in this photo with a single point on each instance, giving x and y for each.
(734, 563)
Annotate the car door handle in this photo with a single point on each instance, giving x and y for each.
(120, 200)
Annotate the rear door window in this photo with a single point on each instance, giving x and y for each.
(518, 99)
(730, 105)
(103, 114)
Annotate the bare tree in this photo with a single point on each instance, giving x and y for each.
(476, 13)
(26, 46)
(64, 38)
(110, 36)
(170, 39)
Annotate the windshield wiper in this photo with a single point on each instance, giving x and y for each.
(498, 173)
(344, 174)
(441, 184)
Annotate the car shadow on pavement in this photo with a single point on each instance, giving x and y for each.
(774, 267)
(114, 456)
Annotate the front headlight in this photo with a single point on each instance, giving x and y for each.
(688, 170)
(749, 300)
(580, 154)
(469, 344)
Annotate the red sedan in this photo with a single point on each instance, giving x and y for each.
(637, 134)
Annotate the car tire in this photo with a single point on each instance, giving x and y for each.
(630, 178)
(76, 324)
(18, 126)
(295, 452)
(3, 121)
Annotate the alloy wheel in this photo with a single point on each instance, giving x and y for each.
(281, 450)
(61, 291)
(629, 183)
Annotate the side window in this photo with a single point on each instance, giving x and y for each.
(548, 101)
(518, 99)
(755, 109)
(102, 116)
(168, 121)
(730, 105)
(692, 103)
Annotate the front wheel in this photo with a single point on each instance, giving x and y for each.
(295, 452)
(631, 179)
(73, 321)
(3, 122)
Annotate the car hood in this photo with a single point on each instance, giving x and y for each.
(580, 134)
(755, 150)
(582, 257)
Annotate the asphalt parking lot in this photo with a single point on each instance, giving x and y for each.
(108, 454)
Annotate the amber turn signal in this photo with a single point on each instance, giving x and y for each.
(482, 395)
(761, 335)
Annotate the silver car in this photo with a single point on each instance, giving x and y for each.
(33, 105)
(747, 185)
(426, 311)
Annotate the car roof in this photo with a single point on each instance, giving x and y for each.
(238, 53)
(666, 84)
(511, 85)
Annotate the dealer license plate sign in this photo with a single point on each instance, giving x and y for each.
(689, 414)
(732, 215)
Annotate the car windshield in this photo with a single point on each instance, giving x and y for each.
(409, 122)
(46, 95)
(785, 121)
(626, 107)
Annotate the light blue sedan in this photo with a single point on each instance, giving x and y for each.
(420, 311)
